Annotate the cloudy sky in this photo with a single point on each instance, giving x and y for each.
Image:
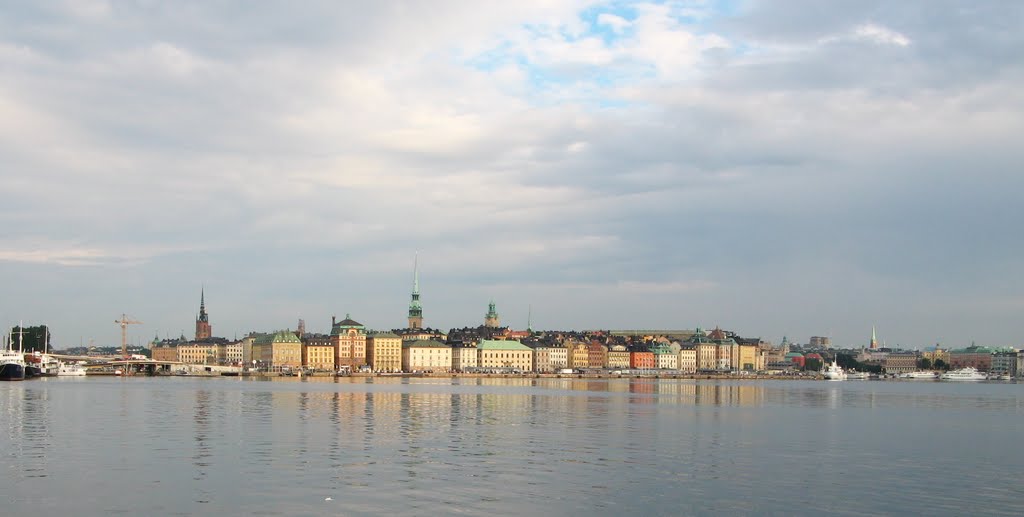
(776, 168)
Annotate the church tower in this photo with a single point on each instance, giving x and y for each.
(874, 342)
(415, 308)
(203, 330)
(491, 319)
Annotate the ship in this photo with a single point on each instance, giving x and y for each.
(834, 372)
(964, 374)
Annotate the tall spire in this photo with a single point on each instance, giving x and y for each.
(874, 342)
(202, 306)
(415, 308)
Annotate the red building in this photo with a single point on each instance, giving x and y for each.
(641, 360)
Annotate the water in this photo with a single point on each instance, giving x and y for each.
(324, 446)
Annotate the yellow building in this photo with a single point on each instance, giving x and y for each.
(511, 355)
(197, 353)
(579, 355)
(384, 352)
(935, 355)
(464, 357)
(688, 360)
(706, 356)
(618, 357)
(318, 352)
(747, 358)
(426, 355)
(278, 350)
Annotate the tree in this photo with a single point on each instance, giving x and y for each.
(812, 365)
(34, 339)
(941, 365)
(924, 363)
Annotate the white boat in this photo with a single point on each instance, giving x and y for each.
(919, 375)
(858, 376)
(963, 374)
(70, 370)
(834, 372)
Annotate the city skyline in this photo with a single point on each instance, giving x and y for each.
(790, 168)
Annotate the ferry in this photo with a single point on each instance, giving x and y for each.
(834, 372)
(919, 375)
(963, 374)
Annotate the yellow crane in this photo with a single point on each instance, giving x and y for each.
(124, 321)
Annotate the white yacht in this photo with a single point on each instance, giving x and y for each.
(918, 375)
(71, 370)
(963, 374)
(857, 376)
(834, 372)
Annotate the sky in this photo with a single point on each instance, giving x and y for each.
(791, 168)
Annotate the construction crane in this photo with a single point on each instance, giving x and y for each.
(124, 321)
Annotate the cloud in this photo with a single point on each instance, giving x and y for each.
(774, 165)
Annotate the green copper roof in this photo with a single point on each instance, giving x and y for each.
(492, 344)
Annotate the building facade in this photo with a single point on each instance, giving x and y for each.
(349, 340)
(426, 355)
(384, 352)
(509, 355)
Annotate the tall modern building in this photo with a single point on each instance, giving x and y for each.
(491, 318)
(415, 308)
(203, 329)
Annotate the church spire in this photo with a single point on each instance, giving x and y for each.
(415, 308)
(874, 342)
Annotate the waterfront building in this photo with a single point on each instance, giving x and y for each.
(641, 360)
(318, 352)
(426, 355)
(415, 308)
(278, 350)
(542, 359)
(618, 357)
(664, 357)
(203, 329)
(558, 356)
(233, 353)
(384, 352)
(900, 362)
(165, 350)
(1020, 363)
(349, 340)
(505, 354)
(749, 358)
(597, 355)
(464, 356)
(935, 355)
(579, 355)
(1004, 362)
(688, 359)
(978, 357)
(197, 353)
(491, 318)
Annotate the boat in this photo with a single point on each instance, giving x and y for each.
(858, 376)
(70, 370)
(834, 372)
(49, 366)
(964, 374)
(918, 375)
(12, 362)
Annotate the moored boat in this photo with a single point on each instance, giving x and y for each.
(71, 370)
(964, 374)
(12, 362)
(857, 376)
(918, 375)
(834, 372)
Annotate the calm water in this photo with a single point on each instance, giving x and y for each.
(187, 446)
